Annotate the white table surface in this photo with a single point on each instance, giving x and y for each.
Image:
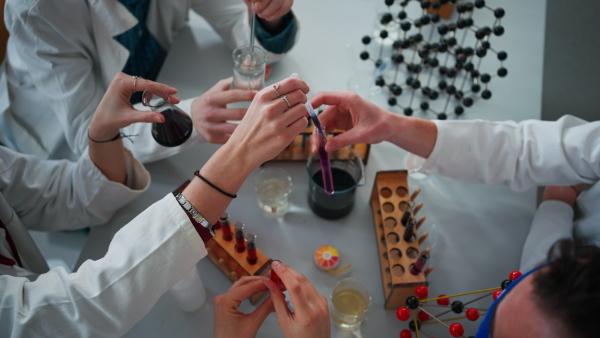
(477, 231)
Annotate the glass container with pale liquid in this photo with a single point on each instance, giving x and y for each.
(350, 300)
(273, 187)
(249, 65)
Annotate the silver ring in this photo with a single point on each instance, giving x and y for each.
(286, 101)
(275, 86)
(134, 81)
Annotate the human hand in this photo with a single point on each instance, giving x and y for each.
(270, 10)
(229, 322)
(311, 313)
(363, 121)
(115, 111)
(567, 194)
(269, 125)
(210, 113)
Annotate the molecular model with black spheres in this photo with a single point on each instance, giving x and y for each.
(433, 61)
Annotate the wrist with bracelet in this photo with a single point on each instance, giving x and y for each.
(120, 135)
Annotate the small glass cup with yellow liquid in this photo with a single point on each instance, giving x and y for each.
(350, 300)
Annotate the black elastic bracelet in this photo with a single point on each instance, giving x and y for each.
(119, 135)
(197, 173)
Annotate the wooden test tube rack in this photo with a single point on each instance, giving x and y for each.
(389, 199)
(300, 148)
(234, 264)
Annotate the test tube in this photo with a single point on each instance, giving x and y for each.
(224, 222)
(420, 263)
(250, 238)
(240, 244)
(405, 217)
(410, 229)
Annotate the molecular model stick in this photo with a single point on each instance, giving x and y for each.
(425, 316)
(440, 59)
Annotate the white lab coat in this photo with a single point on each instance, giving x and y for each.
(523, 155)
(105, 297)
(61, 57)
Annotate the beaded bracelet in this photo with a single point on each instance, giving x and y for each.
(119, 135)
(197, 173)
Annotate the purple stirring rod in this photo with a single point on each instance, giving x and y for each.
(323, 155)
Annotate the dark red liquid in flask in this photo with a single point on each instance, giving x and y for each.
(178, 125)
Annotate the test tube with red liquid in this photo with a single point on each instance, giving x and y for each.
(251, 248)
(224, 222)
(275, 278)
(240, 243)
(420, 263)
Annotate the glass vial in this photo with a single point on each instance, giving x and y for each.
(251, 248)
(224, 222)
(240, 243)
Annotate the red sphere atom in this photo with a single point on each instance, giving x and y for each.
(423, 316)
(443, 301)
(496, 294)
(405, 334)
(514, 275)
(422, 292)
(472, 314)
(457, 330)
(403, 313)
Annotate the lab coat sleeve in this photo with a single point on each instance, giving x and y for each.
(105, 298)
(56, 45)
(58, 194)
(520, 155)
(230, 20)
(552, 221)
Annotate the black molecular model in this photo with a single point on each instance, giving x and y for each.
(434, 64)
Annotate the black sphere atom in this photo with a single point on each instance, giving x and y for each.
(451, 90)
(499, 13)
(402, 15)
(364, 55)
(485, 78)
(481, 52)
(442, 116)
(467, 101)
(396, 90)
(392, 101)
(416, 84)
(459, 110)
(498, 30)
(486, 94)
(502, 72)
(408, 111)
(366, 39)
(412, 327)
(433, 95)
(469, 66)
(397, 58)
(379, 81)
(442, 29)
(405, 26)
(505, 283)
(424, 105)
(475, 88)
(502, 55)
(425, 4)
(386, 18)
(412, 302)
(442, 85)
(480, 3)
(457, 306)
(383, 34)
(389, 2)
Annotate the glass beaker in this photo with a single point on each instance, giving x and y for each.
(249, 68)
(178, 125)
(348, 172)
(273, 187)
(350, 300)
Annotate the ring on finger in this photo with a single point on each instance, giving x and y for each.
(284, 98)
(134, 81)
(275, 86)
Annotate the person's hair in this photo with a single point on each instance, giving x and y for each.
(568, 290)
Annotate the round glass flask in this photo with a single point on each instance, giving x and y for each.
(178, 125)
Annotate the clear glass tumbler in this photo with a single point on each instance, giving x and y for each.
(273, 186)
(350, 300)
(249, 68)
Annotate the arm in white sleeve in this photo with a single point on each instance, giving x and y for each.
(51, 53)
(60, 195)
(105, 298)
(552, 221)
(520, 155)
(230, 19)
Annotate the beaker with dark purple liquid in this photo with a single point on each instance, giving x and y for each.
(178, 125)
(347, 171)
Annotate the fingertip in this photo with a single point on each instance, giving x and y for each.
(158, 118)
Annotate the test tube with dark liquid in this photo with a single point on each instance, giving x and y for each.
(178, 125)
(410, 229)
(240, 244)
(420, 263)
(251, 248)
(224, 222)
